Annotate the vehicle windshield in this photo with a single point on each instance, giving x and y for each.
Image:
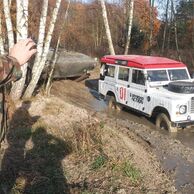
(178, 74)
(164, 75)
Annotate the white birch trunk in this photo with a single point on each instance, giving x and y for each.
(165, 27)
(130, 21)
(10, 1)
(2, 51)
(40, 45)
(107, 28)
(22, 33)
(55, 55)
(8, 23)
(151, 26)
(175, 31)
(37, 68)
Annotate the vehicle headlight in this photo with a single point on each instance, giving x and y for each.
(182, 109)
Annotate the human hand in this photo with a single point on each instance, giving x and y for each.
(23, 50)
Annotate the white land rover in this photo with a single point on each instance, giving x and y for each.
(155, 86)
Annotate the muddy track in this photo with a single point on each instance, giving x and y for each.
(175, 158)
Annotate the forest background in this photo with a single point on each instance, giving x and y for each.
(148, 27)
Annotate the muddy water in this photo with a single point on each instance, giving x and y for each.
(186, 136)
(181, 170)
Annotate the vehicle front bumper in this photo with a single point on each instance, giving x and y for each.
(183, 124)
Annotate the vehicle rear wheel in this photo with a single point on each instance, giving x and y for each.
(163, 122)
(112, 104)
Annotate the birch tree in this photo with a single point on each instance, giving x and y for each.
(151, 26)
(22, 33)
(38, 67)
(165, 27)
(40, 43)
(55, 56)
(10, 1)
(129, 24)
(8, 23)
(175, 30)
(2, 51)
(107, 28)
(192, 25)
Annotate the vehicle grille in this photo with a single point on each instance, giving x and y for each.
(192, 105)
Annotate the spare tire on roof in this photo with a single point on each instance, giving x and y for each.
(181, 87)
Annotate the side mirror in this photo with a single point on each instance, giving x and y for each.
(147, 77)
(192, 75)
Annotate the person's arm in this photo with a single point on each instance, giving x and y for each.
(8, 63)
(19, 54)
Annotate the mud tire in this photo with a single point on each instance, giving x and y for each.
(181, 87)
(163, 122)
(113, 105)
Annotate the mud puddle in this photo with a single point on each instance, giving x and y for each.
(186, 136)
(181, 170)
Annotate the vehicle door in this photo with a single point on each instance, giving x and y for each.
(109, 78)
(122, 84)
(137, 90)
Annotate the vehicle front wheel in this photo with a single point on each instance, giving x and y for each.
(163, 122)
(112, 104)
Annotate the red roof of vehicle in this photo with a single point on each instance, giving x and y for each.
(143, 62)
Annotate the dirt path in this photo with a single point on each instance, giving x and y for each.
(119, 140)
(117, 144)
(175, 158)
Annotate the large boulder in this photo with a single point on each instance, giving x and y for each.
(70, 64)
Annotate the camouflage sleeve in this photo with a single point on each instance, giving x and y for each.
(6, 65)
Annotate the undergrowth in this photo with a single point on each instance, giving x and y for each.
(37, 153)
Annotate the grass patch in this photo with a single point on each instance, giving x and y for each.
(126, 169)
(99, 162)
(86, 192)
(102, 124)
(130, 171)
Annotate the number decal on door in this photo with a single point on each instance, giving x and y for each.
(122, 93)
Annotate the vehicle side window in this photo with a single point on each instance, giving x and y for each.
(157, 75)
(138, 77)
(109, 71)
(123, 74)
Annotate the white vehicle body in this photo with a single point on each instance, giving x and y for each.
(133, 81)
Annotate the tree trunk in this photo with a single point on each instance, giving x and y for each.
(192, 25)
(40, 44)
(169, 34)
(151, 26)
(175, 31)
(107, 28)
(22, 33)
(54, 58)
(8, 23)
(2, 51)
(129, 24)
(37, 68)
(165, 28)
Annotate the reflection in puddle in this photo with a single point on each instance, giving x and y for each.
(186, 137)
(182, 170)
